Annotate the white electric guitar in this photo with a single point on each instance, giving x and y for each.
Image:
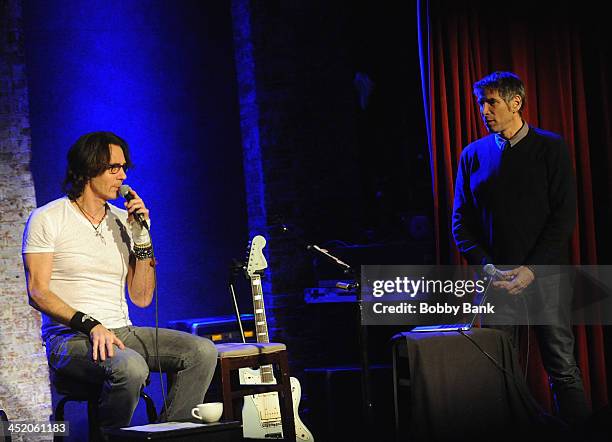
(261, 417)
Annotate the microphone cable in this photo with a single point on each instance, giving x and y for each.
(124, 191)
(156, 297)
(493, 272)
(517, 380)
(528, 343)
(514, 378)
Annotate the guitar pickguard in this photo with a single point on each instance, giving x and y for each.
(261, 416)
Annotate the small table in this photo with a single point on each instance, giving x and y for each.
(452, 387)
(228, 431)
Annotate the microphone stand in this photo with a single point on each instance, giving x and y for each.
(236, 268)
(363, 335)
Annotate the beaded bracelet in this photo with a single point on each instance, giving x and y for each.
(143, 252)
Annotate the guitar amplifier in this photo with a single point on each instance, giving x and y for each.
(335, 402)
(218, 328)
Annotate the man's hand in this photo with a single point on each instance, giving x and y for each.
(515, 280)
(136, 205)
(140, 235)
(102, 341)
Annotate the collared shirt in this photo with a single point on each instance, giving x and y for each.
(502, 142)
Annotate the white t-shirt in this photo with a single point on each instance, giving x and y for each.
(89, 273)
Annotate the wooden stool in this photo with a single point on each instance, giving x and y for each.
(72, 390)
(234, 356)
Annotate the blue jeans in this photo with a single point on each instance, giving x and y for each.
(189, 361)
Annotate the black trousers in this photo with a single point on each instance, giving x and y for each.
(545, 306)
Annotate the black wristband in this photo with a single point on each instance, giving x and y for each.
(83, 323)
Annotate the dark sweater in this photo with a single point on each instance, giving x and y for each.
(517, 206)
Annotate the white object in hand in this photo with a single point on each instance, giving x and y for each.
(140, 235)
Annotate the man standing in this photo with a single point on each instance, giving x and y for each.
(515, 206)
(80, 253)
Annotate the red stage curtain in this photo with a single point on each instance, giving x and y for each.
(560, 58)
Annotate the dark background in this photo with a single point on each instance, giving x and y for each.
(160, 75)
(350, 176)
(332, 151)
(163, 77)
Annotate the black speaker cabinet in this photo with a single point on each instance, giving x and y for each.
(335, 402)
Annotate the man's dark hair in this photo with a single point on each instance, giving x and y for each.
(506, 83)
(88, 157)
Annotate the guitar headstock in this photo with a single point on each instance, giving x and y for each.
(257, 261)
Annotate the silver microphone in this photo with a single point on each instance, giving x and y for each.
(493, 272)
(124, 190)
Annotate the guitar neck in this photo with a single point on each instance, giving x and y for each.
(261, 323)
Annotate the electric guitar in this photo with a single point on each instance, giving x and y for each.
(261, 418)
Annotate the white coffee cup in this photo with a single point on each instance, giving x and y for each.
(209, 412)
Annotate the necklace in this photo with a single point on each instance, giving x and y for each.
(96, 228)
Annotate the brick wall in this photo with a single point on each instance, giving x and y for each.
(24, 385)
(298, 107)
(319, 162)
